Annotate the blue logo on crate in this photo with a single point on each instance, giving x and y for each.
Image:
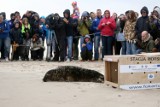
(158, 65)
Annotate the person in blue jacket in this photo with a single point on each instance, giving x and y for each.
(86, 50)
(96, 32)
(4, 37)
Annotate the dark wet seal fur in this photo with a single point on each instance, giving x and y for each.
(73, 74)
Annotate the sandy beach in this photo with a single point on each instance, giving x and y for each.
(21, 86)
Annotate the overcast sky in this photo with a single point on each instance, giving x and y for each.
(45, 7)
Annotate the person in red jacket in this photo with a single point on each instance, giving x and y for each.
(107, 26)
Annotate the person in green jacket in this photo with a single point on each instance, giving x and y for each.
(147, 44)
(84, 25)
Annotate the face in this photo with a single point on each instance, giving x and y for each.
(73, 5)
(16, 25)
(43, 20)
(66, 15)
(93, 15)
(13, 17)
(144, 35)
(28, 14)
(86, 39)
(144, 13)
(114, 15)
(26, 22)
(155, 13)
(99, 13)
(35, 17)
(1, 19)
(107, 14)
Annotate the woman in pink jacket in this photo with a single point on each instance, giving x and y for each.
(107, 26)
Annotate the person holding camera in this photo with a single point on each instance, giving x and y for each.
(4, 37)
(84, 25)
(107, 27)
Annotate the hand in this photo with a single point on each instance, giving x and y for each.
(65, 20)
(83, 45)
(47, 26)
(103, 24)
(155, 17)
(40, 26)
(108, 23)
(97, 28)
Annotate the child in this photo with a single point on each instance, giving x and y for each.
(86, 51)
(37, 47)
(16, 40)
(26, 34)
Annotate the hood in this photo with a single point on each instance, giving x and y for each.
(157, 9)
(67, 11)
(87, 36)
(108, 12)
(85, 14)
(145, 9)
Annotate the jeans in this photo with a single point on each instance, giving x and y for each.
(138, 51)
(7, 44)
(123, 47)
(96, 46)
(107, 45)
(69, 44)
(130, 48)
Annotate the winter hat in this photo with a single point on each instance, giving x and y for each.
(87, 36)
(43, 17)
(145, 9)
(157, 9)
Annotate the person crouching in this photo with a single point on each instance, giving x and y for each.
(86, 51)
(37, 48)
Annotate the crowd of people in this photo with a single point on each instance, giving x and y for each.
(126, 34)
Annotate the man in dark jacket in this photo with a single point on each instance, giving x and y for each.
(69, 25)
(57, 24)
(143, 23)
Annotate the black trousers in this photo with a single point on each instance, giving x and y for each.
(86, 54)
(75, 48)
(37, 54)
(60, 49)
(17, 53)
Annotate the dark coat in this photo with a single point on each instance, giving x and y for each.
(16, 36)
(142, 24)
(70, 26)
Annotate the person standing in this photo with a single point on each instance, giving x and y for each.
(143, 23)
(120, 38)
(84, 25)
(130, 34)
(69, 25)
(96, 32)
(155, 23)
(107, 26)
(58, 27)
(4, 37)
